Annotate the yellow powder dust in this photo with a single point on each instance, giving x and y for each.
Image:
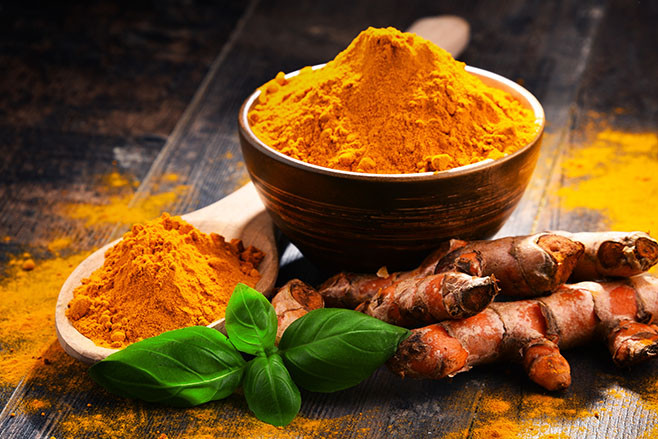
(498, 429)
(650, 396)
(222, 419)
(118, 180)
(536, 414)
(38, 405)
(644, 396)
(116, 202)
(616, 174)
(27, 309)
(650, 434)
(496, 406)
(538, 406)
(170, 177)
(121, 209)
(59, 244)
(306, 427)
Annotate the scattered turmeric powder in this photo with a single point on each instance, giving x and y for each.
(26, 310)
(38, 405)
(117, 203)
(392, 103)
(614, 173)
(118, 209)
(116, 180)
(59, 244)
(28, 264)
(547, 406)
(494, 419)
(496, 406)
(229, 418)
(162, 275)
(499, 429)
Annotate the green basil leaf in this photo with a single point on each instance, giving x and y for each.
(333, 349)
(251, 321)
(184, 367)
(270, 392)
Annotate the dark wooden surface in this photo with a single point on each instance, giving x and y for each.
(154, 89)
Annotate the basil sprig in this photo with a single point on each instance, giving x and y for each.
(324, 351)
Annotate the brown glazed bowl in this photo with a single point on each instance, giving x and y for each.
(357, 221)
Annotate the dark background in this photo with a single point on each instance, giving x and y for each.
(150, 88)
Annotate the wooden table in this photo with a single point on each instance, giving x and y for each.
(154, 90)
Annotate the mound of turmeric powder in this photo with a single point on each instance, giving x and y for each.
(162, 275)
(390, 103)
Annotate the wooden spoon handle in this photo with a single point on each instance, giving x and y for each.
(238, 208)
(449, 32)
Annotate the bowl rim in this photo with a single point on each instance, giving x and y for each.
(530, 100)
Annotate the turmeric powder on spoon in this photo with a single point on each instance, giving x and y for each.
(391, 103)
(162, 275)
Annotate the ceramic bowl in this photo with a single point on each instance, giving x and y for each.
(357, 221)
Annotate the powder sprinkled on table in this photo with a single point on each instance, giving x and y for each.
(162, 275)
(614, 172)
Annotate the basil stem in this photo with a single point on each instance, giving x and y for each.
(270, 392)
(251, 321)
(333, 349)
(184, 367)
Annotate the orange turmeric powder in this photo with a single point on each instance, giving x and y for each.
(614, 172)
(26, 311)
(390, 103)
(162, 275)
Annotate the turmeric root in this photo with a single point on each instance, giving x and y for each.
(292, 301)
(525, 266)
(414, 302)
(532, 332)
(613, 254)
(349, 290)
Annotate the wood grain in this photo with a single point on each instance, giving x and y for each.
(575, 56)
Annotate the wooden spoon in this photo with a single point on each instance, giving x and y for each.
(238, 215)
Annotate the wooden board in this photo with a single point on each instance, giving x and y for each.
(575, 56)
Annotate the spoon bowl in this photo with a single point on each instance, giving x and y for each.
(239, 215)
